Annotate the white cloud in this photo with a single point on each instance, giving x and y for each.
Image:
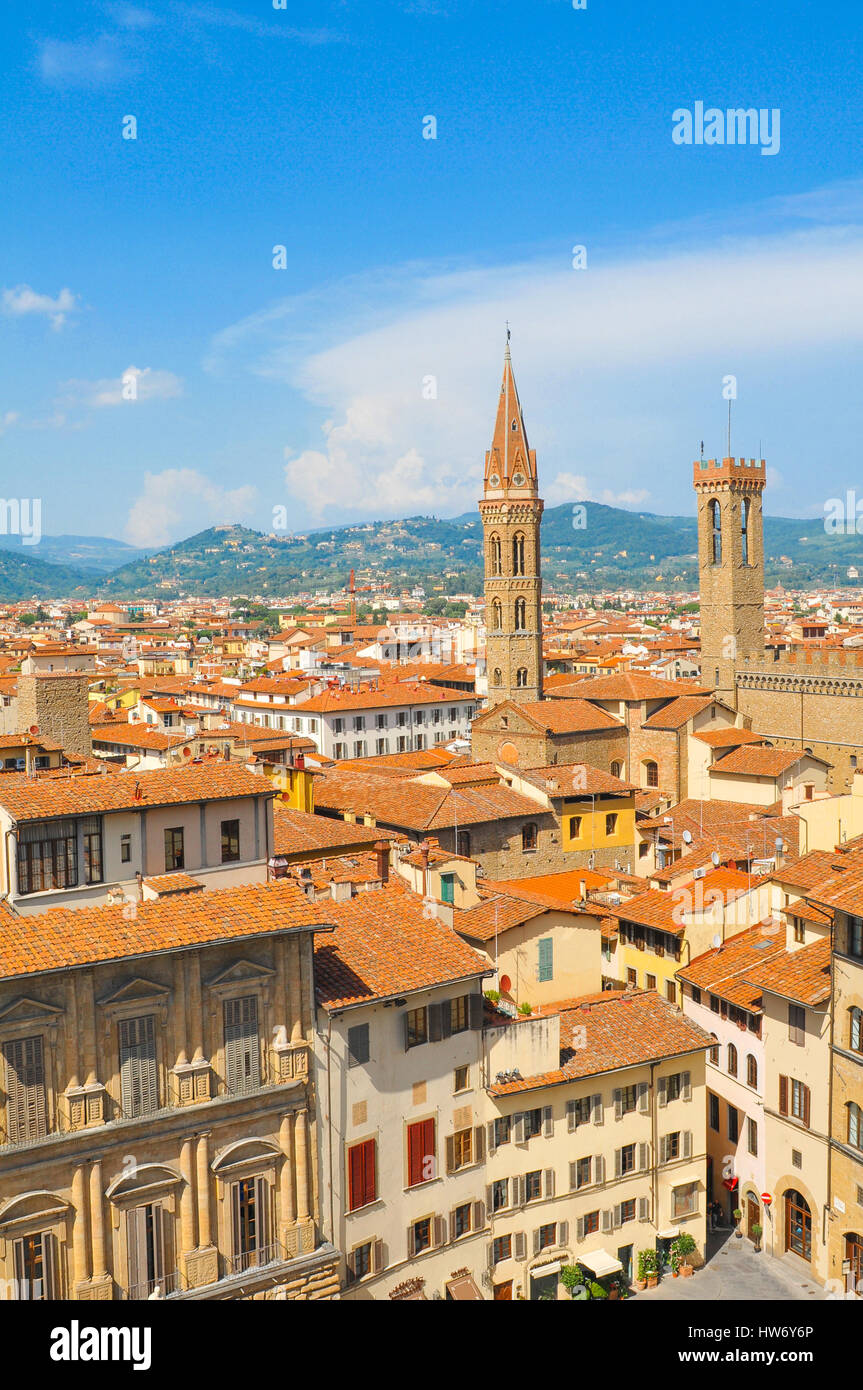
(83, 62)
(133, 386)
(571, 487)
(23, 300)
(7, 420)
(181, 502)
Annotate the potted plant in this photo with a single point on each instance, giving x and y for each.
(572, 1277)
(597, 1291)
(674, 1260)
(683, 1247)
(756, 1235)
(738, 1217)
(648, 1269)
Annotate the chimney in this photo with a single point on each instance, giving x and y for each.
(424, 858)
(582, 890)
(382, 855)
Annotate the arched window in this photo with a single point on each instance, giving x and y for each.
(715, 514)
(462, 843)
(495, 554)
(617, 769)
(528, 835)
(496, 615)
(518, 553)
(651, 774)
(854, 1256)
(521, 677)
(855, 1125)
(714, 1050)
(855, 1018)
(732, 1060)
(514, 426)
(798, 1224)
(744, 529)
(497, 678)
(520, 615)
(751, 1071)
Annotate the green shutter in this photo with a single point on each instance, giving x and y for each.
(546, 959)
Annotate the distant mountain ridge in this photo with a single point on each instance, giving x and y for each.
(586, 547)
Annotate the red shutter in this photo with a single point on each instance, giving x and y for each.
(415, 1154)
(361, 1174)
(783, 1095)
(370, 1189)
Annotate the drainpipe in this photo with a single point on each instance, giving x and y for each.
(654, 1150)
(330, 1121)
(828, 1207)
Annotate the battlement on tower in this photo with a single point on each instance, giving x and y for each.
(806, 662)
(707, 472)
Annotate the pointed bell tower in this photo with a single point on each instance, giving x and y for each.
(511, 512)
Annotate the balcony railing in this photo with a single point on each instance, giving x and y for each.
(255, 1259)
(158, 1288)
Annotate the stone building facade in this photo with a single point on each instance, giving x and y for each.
(57, 703)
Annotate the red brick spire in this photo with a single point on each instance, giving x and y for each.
(510, 464)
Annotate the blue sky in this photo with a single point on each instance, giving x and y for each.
(303, 127)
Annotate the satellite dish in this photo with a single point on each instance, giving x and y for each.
(714, 859)
(717, 940)
(687, 837)
(779, 844)
(34, 728)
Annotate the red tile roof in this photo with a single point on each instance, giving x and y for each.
(26, 798)
(802, 975)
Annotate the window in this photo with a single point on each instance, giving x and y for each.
(416, 1027)
(520, 615)
(855, 936)
(528, 837)
(380, 747)
(521, 677)
(250, 1209)
(583, 1168)
(671, 991)
(501, 1249)
(421, 1152)
(495, 555)
(714, 1051)
(575, 827)
(462, 843)
(461, 1222)
(518, 553)
(459, 1013)
(631, 978)
(673, 1086)
(545, 963)
(242, 1045)
(733, 1124)
(796, 1158)
(47, 856)
(359, 723)
(798, 1225)
(611, 823)
(447, 888)
(799, 930)
(715, 519)
(497, 678)
(752, 1137)
(174, 854)
(616, 769)
(358, 1045)
(459, 1150)
(362, 1179)
(695, 994)
(855, 1125)
(34, 1263)
(626, 1159)
(533, 1123)
(650, 982)
(794, 1099)
(713, 1111)
(671, 1147)
(591, 1223)
(684, 1200)
(751, 1071)
(745, 506)
(125, 849)
(580, 1110)
(502, 1130)
(855, 1038)
(533, 1186)
(230, 841)
(651, 774)
(627, 1211)
(421, 1236)
(547, 1236)
(145, 1246)
(139, 1083)
(732, 1060)
(380, 721)
(628, 1099)
(500, 1194)
(796, 1024)
(360, 1262)
(462, 1079)
(26, 1103)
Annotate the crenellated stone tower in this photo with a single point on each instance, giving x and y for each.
(511, 512)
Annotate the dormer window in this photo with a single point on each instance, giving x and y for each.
(514, 426)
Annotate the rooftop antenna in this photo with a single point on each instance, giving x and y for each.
(728, 455)
(702, 449)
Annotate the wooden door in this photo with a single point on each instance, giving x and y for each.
(753, 1215)
(503, 1291)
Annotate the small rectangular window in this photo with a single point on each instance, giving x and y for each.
(230, 841)
(174, 850)
(358, 1045)
(125, 849)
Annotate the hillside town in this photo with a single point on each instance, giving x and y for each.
(376, 945)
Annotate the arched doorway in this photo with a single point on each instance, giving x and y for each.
(798, 1224)
(854, 1256)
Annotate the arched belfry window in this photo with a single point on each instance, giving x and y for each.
(496, 615)
(518, 553)
(495, 554)
(497, 679)
(521, 677)
(514, 426)
(744, 529)
(520, 615)
(716, 531)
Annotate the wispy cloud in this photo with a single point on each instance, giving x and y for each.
(7, 420)
(136, 384)
(22, 300)
(178, 501)
(95, 62)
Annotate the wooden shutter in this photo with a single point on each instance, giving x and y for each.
(616, 1216)
(362, 1175)
(26, 1109)
(663, 1148)
(358, 1045)
(439, 1232)
(662, 1090)
(518, 1190)
(580, 1224)
(450, 1153)
(618, 1103)
(518, 1128)
(598, 1168)
(687, 1143)
(136, 1247)
(478, 1216)
(420, 1149)
(411, 1248)
(573, 1176)
(563, 1233)
(547, 1122)
(519, 1242)
(378, 1256)
(571, 1116)
(641, 1157)
(242, 1044)
(607, 1222)
(479, 1143)
(476, 1010)
(806, 1097)
(537, 1241)
(783, 1095)
(644, 1208)
(492, 1146)
(617, 1162)
(262, 1213)
(139, 1085)
(643, 1099)
(685, 1086)
(435, 1025)
(406, 1023)
(549, 1182)
(596, 1108)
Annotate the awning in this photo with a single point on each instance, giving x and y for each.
(670, 1234)
(463, 1288)
(601, 1263)
(540, 1271)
